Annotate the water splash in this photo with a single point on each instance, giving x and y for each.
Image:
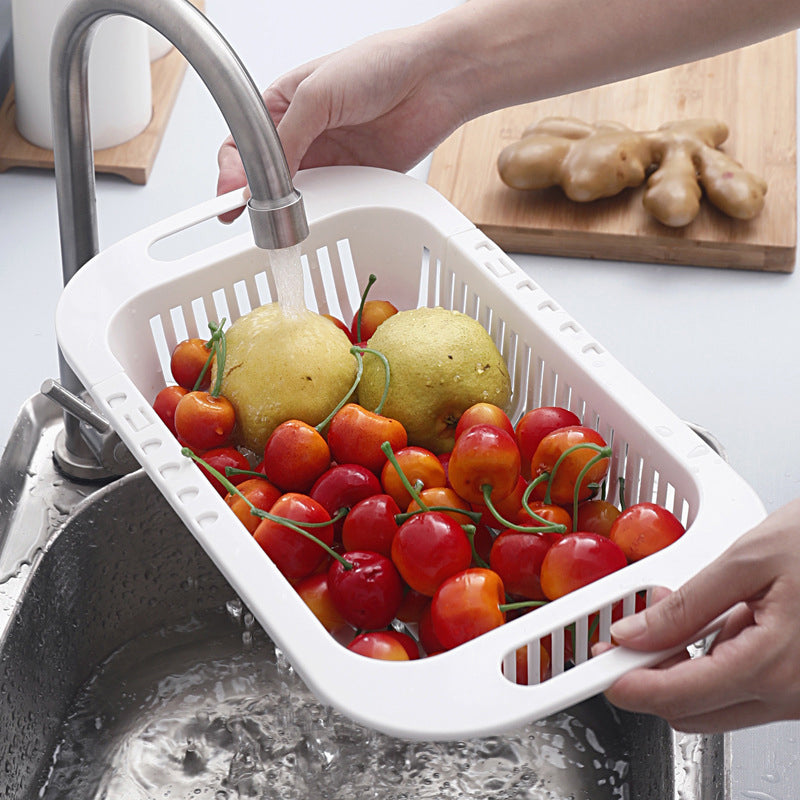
(189, 712)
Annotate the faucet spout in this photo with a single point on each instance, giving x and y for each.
(276, 208)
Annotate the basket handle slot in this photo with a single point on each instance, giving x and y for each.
(187, 241)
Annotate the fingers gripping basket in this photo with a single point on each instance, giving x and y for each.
(120, 316)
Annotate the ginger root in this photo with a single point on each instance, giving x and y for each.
(678, 160)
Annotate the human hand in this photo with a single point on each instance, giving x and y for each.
(388, 100)
(383, 102)
(750, 675)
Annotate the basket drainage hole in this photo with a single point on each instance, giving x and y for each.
(207, 520)
(169, 471)
(188, 494)
(151, 446)
(117, 399)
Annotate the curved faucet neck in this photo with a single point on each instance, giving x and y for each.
(276, 208)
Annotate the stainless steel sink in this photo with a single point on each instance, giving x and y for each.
(128, 669)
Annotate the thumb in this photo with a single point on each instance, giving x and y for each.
(674, 618)
(646, 629)
(743, 572)
(680, 616)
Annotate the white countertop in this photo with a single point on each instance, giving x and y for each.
(716, 345)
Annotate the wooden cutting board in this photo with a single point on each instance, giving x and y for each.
(753, 90)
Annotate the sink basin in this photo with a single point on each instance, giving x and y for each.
(129, 669)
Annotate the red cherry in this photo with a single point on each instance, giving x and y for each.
(258, 491)
(293, 553)
(564, 454)
(356, 435)
(576, 560)
(484, 414)
(371, 525)
(295, 455)
(466, 605)
(386, 645)
(484, 456)
(316, 594)
(220, 458)
(165, 404)
(204, 421)
(374, 312)
(428, 548)
(517, 558)
(342, 486)
(367, 594)
(535, 425)
(645, 528)
(187, 361)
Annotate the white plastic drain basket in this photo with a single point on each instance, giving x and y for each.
(120, 316)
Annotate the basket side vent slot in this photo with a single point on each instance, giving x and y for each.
(243, 303)
(221, 306)
(344, 283)
(163, 350)
(570, 646)
(431, 281)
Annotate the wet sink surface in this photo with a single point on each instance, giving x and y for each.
(128, 669)
(190, 711)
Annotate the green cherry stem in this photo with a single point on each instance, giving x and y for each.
(231, 471)
(387, 372)
(222, 353)
(603, 452)
(259, 512)
(387, 451)
(213, 350)
(622, 503)
(287, 523)
(359, 371)
(211, 346)
(544, 477)
(370, 281)
(470, 531)
(580, 446)
(475, 516)
(545, 527)
(522, 604)
(340, 514)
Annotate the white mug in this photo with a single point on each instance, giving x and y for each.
(120, 95)
(159, 45)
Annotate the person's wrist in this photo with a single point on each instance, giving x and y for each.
(454, 60)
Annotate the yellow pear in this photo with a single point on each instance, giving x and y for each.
(281, 366)
(441, 362)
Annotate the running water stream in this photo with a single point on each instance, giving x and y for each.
(287, 272)
(210, 710)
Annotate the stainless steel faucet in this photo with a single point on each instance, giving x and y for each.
(275, 208)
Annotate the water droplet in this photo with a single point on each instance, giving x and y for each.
(234, 608)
